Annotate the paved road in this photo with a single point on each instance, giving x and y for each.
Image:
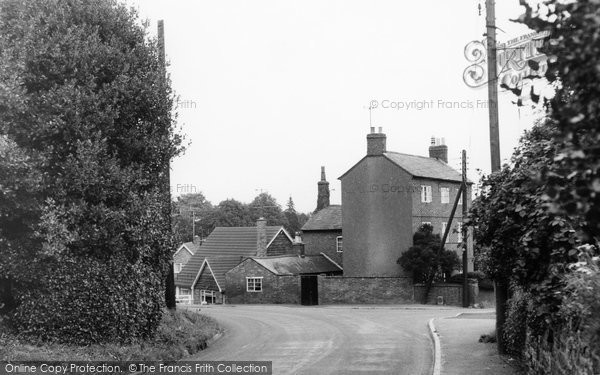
(326, 340)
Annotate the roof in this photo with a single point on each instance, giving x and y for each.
(192, 247)
(219, 267)
(328, 218)
(296, 265)
(231, 242)
(422, 166)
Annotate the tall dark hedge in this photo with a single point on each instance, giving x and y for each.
(86, 135)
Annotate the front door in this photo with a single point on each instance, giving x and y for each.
(309, 290)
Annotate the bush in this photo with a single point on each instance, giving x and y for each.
(515, 325)
(180, 334)
(88, 301)
(421, 259)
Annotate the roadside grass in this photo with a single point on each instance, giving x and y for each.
(180, 334)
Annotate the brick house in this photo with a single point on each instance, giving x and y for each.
(283, 279)
(387, 196)
(203, 277)
(183, 254)
(322, 233)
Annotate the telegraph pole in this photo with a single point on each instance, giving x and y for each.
(500, 285)
(492, 65)
(465, 240)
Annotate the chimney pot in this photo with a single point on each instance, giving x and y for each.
(372, 129)
(380, 129)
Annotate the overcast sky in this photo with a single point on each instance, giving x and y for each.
(272, 90)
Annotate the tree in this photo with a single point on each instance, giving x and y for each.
(186, 209)
(266, 206)
(422, 260)
(232, 213)
(85, 111)
(575, 108)
(293, 220)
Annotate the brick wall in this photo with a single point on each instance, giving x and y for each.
(281, 245)
(369, 290)
(317, 242)
(275, 289)
(451, 293)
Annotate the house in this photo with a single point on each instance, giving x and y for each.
(387, 196)
(184, 253)
(284, 279)
(203, 277)
(322, 233)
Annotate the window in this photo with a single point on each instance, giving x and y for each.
(445, 192)
(459, 228)
(444, 226)
(184, 292)
(425, 193)
(338, 244)
(254, 284)
(178, 267)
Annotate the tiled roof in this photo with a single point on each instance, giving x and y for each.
(422, 166)
(234, 242)
(328, 218)
(192, 246)
(220, 266)
(296, 265)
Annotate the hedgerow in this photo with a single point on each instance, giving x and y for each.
(86, 136)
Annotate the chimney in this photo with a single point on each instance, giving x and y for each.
(375, 143)
(298, 245)
(438, 149)
(196, 240)
(323, 192)
(261, 237)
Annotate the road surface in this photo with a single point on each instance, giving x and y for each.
(326, 340)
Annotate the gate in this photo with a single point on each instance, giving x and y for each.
(309, 290)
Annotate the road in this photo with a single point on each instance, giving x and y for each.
(326, 340)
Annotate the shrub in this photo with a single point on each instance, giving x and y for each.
(515, 326)
(421, 259)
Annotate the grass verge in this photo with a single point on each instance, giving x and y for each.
(180, 334)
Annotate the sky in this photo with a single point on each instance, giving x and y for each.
(270, 90)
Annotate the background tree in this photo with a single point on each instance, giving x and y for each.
(265, 205)
(187, 207)
(294, 220)
(84, 227)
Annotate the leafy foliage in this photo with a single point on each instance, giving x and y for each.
(87, 135)
(574, 40)
(230, 213)
(422, 260)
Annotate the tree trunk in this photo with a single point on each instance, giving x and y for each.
(501, 291)
(170, 289)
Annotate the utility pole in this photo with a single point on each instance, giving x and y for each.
(492, 65)
(465, 241)
(500, 285)
(170, 282)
